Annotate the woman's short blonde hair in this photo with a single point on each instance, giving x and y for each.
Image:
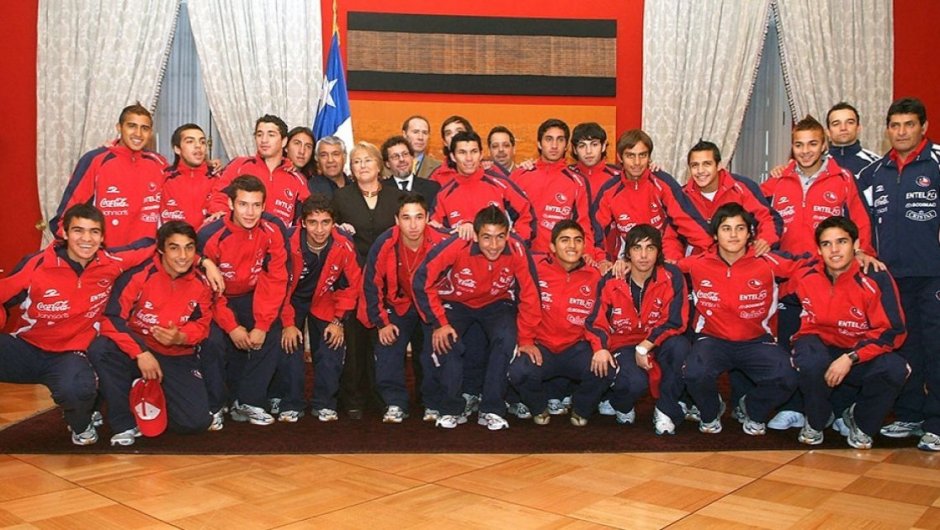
(369, 148)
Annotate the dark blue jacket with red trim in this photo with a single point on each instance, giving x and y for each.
(338, 283)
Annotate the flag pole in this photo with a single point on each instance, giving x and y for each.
(335, 25)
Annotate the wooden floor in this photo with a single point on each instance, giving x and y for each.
(774, 489)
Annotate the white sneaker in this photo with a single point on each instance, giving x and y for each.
(290, 416)
(809, 435)
(519, 410)
(691, 412)
(556, 407)
(750, 427)
(126, 438)
(86, 437)
(218, 420)
(857, 437)
(394, 414)
(712, 427)
(786, 419)
(327, 415)
(493, 422)
(662, 424)
(929, 442)
(254, 415)
(97, 419)
(274, 405)
(624, 418)
(902, 429)
(839, 427)
(431, 415)
(447, 421)
(472, 403)
(604, 408)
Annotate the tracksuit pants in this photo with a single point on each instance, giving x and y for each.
(872, 385)
(187, 402)
(920, 298)
(632, 382)
(762, 360)
(498, 322)
(68, 376)
(572, 363)
(234, 374)
(290, 377)
(390, 363)
(327, 366)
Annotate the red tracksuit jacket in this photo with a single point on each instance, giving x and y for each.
(61, 307)
(735, 188)
(556, 194)
(736, 302)
(285, 188)
(186, 193)
(147, 296)
(383, 290)
(834, 192)
(596, 176)
(655, 199)
(339, 282)
(443, 174)
(252, 261)
(856, 312)
(567, 299)
(457, 271)
(461, 199)
(123, 184)
(664, 309)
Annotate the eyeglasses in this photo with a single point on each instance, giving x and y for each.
(399, 156)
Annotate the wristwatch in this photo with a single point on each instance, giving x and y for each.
(641, 350)
(853, 356)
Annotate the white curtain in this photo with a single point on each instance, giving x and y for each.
(258, 58)
(94, 58)
(840, 50)
(700, 62)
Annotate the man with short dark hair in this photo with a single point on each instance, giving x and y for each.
(502, 144)
(843, 126)
(589, 150)
(645, 314)
(286, 187)
(250, 248)
(399, 161)
(417, 130)
(449, 127)
(188, 181)
(563, 348)
(904, 186)
(489, 281)
(62, 291)
(158, 315)
(387, 303)
(123, 180)
(851, 324)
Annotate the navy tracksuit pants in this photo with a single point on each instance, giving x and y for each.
(289, 377)
(187, 403)
(920, 298)
(572, 363)
(390, 363)
(632, 382)
(762, 360)
(872, 385)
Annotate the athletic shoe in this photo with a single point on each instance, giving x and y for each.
(86, 437)
(751, 427)
(97, 419)
(738, 414)
(431, 415)
(662, 424)
(447, 421)
(218, 421)
(809, 435)
(712, 427)
(578, 420)
(604, 408)
(126, 438)
(290, 416)
(691, 412)
(929, 442)
(542, 418)
(624, 418)
(394, 414)
(327, 415)
(519, 410)
(556, 407)
(473, 404)
(857, 438)
(839, 427)
(902, 429)
(274, 405)
(566, 401)
(255, 415)
(493, 422)
(787, 419)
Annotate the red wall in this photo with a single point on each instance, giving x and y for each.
(916, 44)
(20, 207)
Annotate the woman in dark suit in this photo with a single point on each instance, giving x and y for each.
(369, 208)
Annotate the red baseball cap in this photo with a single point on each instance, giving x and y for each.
(148, 405)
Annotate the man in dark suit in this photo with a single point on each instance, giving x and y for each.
(399, 159)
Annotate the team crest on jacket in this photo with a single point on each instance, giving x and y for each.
(561, 197)
(289, 194)
(856, 312)
(152, 186)
(585, 290)
(923, 181)
(830, 197)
